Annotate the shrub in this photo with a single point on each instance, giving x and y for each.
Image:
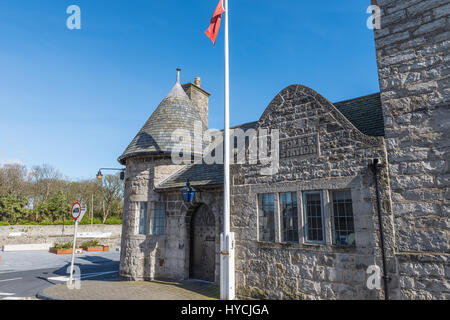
(84, 221)
(113, 220)
(66, 245)
(26, 223)
(91, 243)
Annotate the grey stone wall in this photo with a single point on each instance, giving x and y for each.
(413, 48)
(139, 255)
(302, 270)
(178, 222)
(52, 234)
(148, 257)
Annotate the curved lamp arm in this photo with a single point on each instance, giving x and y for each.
(100, 175)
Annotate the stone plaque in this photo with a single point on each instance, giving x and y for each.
(299, 147)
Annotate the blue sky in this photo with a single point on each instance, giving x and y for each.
(75, 98)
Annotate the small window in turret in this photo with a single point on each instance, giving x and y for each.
(142, 227)
(158, 218)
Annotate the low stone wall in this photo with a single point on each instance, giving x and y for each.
(52, 234)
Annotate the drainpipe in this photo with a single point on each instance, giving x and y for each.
(375, 167)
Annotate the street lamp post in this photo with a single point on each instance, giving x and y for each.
(100, 175)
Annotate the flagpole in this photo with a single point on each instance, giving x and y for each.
(227, 282)
(226, 223)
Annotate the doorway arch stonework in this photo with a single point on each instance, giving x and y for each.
(202, 245)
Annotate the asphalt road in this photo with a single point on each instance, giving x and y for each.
(24, 274)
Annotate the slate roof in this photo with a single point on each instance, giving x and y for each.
(365, 113)
(174, 112)
(198, 175)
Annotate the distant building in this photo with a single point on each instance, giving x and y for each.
(311, 230)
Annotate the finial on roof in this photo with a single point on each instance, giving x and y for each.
(178, 75)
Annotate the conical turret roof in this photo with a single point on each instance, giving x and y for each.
(176, 111)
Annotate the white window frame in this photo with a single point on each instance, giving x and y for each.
(275, 225)
(305, 231)
(333, 213)
(138, 220)
(281, 216)
(152, 218)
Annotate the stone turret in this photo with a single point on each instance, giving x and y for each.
(176, 111)
(148, 162)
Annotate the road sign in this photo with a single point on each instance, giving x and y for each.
(77, 214)
(83, 211)
(76, 211)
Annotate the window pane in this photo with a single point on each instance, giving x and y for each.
(313, 216)
(266, 217)
(288, 206)
(344, 230)
(142, 217)
(158, 221)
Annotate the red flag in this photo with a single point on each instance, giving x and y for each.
(214, 27)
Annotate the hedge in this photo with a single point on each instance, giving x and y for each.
(109, 221)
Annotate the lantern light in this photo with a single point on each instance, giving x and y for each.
(188, 192)
(99, 175)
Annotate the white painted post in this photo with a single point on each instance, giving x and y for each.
(227, 283)
(73, 251)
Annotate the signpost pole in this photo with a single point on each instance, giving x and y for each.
(77, 213)
(73, 252)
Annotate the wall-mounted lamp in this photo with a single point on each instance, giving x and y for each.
(188, 192)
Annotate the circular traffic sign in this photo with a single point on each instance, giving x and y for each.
(75, 211)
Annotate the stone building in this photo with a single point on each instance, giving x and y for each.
(311, 228)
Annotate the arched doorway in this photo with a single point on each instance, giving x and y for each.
(203, 242)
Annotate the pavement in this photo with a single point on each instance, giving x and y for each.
(24, 274)
(144, 290)
(28, 275)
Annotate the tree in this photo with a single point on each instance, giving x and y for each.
(46, 180)
(112, 193)
(49, 195)
(54, 208)
(12, 208)
(12, 180)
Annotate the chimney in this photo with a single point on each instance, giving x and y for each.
(178, 75)
(199, 98)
